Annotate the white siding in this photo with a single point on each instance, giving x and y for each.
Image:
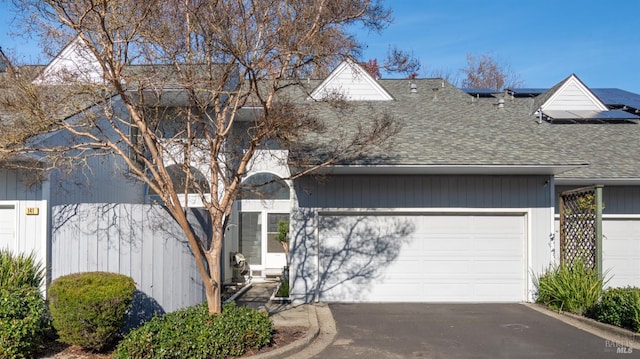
(352, 82)
(573, 95)
(75, 62)
(19, 191)
(621, 251)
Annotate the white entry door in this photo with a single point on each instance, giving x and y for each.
(258, 243)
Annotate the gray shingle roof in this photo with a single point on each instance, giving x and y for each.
(443, 125)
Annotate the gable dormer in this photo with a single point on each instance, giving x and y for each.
(75, 63)
(571, 101)
(571, 95)
(353, 83)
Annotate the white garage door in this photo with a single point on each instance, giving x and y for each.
(422, 258)
(7, 227)
(621, 251)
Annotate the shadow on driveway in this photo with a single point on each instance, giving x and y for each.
(408, 330)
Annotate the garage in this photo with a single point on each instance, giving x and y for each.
(422, 257)
(7, 226)
(621, 251)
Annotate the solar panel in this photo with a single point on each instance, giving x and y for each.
(480, 91)
(527, 91)
(616, 115)
(617, 97)
(591, 115)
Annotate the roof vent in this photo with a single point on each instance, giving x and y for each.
(501, 103)
(413, 87)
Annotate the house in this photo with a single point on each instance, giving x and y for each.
(463, 206)
(460, 207)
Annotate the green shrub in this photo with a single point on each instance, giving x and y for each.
(283, 289)
(572, 289)
(22, 321)
(194, 333)
(19, 270)
(620, 307)
(88, 309)
(23, 318)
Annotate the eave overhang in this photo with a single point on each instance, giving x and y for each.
(484, 170)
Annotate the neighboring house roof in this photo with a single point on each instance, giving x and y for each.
(448, 130)
(445, 129)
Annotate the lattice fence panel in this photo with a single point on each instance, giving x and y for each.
(578, 226)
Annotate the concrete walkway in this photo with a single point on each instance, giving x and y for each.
(316, 317)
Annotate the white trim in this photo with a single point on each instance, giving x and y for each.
(434, 210)
(452, 169)
(573, 80)
(560, 181)
(69, 53)
(320, 92)
(527, 259)
(608, 216)
(16, 223)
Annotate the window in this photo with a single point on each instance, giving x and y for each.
(264, 186)
(273, 219)
(251, 237)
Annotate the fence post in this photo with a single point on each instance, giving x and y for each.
(599, 229)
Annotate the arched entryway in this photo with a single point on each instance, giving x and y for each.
(264, 201)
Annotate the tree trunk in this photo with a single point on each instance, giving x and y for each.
(213, 289)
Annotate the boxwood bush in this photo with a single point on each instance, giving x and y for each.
(573, 289)
(620, 307)
(23, 318)
(88, 309)
(194, 333)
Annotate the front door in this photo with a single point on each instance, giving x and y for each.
(275, 258)
(263, 252)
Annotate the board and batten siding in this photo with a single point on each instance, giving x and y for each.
(531, 196)
(104, 180)
(20, 190)
(620, 233)
(141, 241)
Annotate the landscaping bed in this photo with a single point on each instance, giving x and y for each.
(579, 290)
(53, 349)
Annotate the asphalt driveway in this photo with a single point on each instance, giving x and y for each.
(460, 331)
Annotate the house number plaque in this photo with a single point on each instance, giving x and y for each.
(32, 211)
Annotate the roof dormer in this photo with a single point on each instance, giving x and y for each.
(572, 100)
(353, 83)
(75, 63)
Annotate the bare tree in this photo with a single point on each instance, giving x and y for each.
(207, 62)
(445, 74)
(485, 71)
(397, 61)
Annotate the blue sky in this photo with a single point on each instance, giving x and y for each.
(543, 41)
